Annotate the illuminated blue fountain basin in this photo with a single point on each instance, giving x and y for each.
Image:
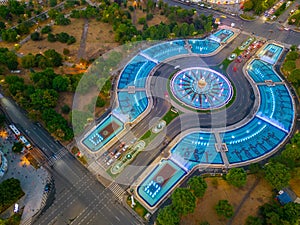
(201, 88)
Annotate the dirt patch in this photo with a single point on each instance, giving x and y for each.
(298, 63)
(219, 189)
(74, 29)
(295, 181)
(100, 39)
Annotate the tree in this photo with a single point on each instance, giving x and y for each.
(60, 83)
(237, 177)
(54, 58)
(18, 147)
(52, 3)
(100, 102)
(248, 5)
(252, 220)
(10, 192)
(277, 174)
(60, 19)
(43, 99)
(292, 55)
(28, 61)
(204, 223)
(2, 119)
(65, 109)
(9, 35)
(62, 37)
(184, 201)
(168, 216)
(291, 212)
(223, 208)
(35, 36)
(46, 29)
(51, 37)
(289, 65)
(197, 185)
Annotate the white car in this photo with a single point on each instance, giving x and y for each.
(202, 5)
(118, 155)
(109, 162)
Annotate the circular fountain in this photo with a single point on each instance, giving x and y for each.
(201, 88)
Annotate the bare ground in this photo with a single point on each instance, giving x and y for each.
(204, 211)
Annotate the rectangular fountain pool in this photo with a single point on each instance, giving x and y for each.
(103, 133)
(270, 53)
(159, 182)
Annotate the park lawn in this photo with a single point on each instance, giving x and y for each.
(204, 211)
(75, 29)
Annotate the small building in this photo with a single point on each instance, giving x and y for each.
(286, 195)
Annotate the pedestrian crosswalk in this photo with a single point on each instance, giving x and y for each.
(27, 221)
(116, 190)
(61, 153)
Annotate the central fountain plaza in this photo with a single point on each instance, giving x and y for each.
(201, 88)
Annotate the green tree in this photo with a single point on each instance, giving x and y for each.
(51, 37)
(292, 55)
(291, 212)
(60, 19)
(46, 29)
(52, 3)
(289, 66)
(223, 208)
(168, 216)
(100, 102)
(237, 177)
(10, 192)
(277, 174)
(184, 201)
(60, 83)
(62, 37)
(9, 35)
(17, 147)
(65, 109)
(197, 185)
(204, 223)
(28, 61)
(35, 36)
(54, 58)
(2, 119)
(43, 99)
(252, 220)
(248, 5)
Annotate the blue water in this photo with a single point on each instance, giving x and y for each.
(94, 141)
(270, 53)
(254, 139)
(132, 105)
(196, 148)
(166, 50)
(151, 190)
(135, 73)
(214, 95)
(276, 106)
(204, 46)
(222, 35)
(261, 71)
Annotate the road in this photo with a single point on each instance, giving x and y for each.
(79, 197)
(258, 27)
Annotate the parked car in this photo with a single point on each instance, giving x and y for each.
(118, 155)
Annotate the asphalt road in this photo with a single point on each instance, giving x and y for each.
(79, 198)
(258, 27)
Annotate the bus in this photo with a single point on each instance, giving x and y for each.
(25, 142)
(14, 130)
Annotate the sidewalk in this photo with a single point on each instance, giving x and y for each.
(32, 180)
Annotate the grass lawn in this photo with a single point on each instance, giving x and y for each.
(219, 189)
(138, 208)
(170, 115)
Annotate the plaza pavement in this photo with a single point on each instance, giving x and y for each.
(32, 181)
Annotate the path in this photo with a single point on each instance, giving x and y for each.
(81, 51)
(244, 200)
